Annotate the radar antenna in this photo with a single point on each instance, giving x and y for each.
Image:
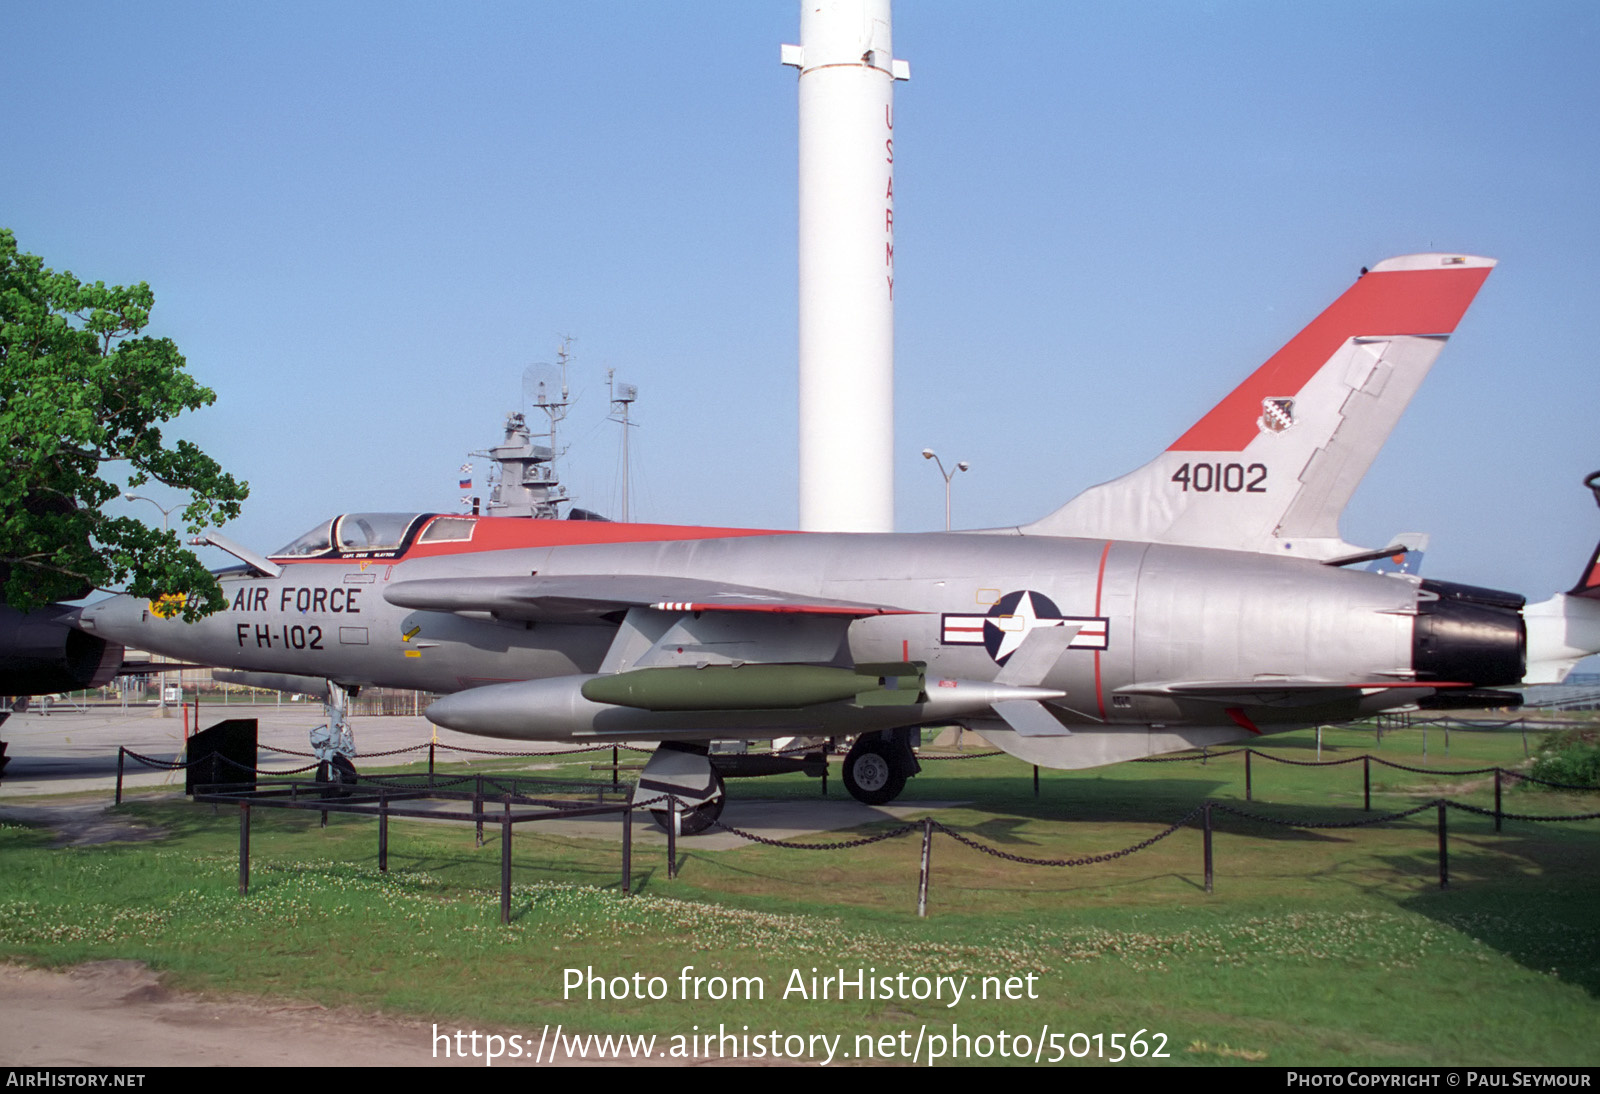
(522, 481)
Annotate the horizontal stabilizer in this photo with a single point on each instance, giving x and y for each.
(1407, 559)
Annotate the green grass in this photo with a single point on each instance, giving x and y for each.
(1317, 947)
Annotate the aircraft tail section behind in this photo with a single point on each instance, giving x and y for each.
(1588, 585)
(1566, 628)
(1271, 467)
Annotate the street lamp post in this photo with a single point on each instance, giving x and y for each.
(166, 511)
(930, 454)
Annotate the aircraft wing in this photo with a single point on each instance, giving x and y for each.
(573, 598)
(1274, 693)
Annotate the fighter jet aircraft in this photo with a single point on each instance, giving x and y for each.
(1204, 598)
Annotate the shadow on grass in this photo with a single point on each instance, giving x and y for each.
(1530, 897)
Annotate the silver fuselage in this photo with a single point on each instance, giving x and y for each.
(1161, 614)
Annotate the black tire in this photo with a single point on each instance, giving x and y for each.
(872, 772)
(339, 776)
(693, 821)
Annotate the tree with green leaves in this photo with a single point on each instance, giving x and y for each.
(83, 398)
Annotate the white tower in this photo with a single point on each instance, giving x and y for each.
(847, 75)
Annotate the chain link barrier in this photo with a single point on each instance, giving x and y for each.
(1437, 771)
(509, 789)
(1546, 782)
(1364, 823)
(1203, 757)
(894, 833)
(1087, 860)
(180, 765)
(1481, 811)
(364, 755)
(1304, 763)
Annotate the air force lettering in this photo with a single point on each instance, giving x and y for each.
(1013, 616)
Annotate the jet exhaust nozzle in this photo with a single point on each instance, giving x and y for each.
(42, 653)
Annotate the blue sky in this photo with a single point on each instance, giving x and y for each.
(363, 221)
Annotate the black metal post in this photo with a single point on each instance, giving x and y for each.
(672, 836)
(1208, 845)
(922, 879)
(1366, 782)
(477, 806)
(383, 831)
(121, 752)
(1036, 780)
(505, 864)
(430, 765)
(1497, 817)
(1249, 789)
(1444, 851)
(614, 769)
(244, 848)
(627, 850)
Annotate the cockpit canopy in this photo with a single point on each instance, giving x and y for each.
(387, 535)
(356, 535)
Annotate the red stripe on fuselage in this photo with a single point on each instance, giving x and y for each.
(794, 609)
(513, 533)
(1099, 586)
(1393, 302)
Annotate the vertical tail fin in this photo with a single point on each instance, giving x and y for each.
(1271, 467)
(1589, 581)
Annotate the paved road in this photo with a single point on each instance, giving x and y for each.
(68, 750)
(75, 752)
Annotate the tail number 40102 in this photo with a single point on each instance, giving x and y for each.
(1231, 478)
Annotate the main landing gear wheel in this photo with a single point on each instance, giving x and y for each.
(692, 820)
(872, 771)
